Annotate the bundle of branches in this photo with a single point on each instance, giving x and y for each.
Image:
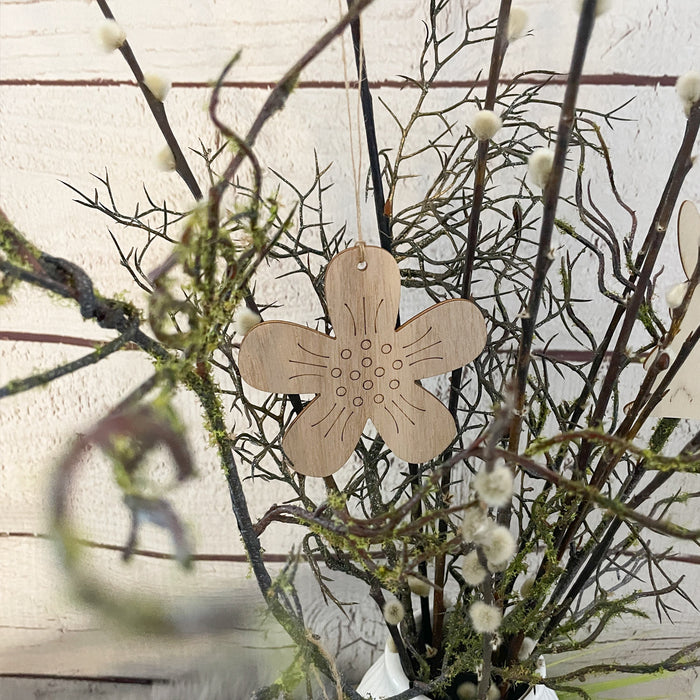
(551, 498)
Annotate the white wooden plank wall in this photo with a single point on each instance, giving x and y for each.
(68, 110)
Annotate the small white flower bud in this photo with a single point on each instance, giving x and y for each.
(675, 295)
(517, 22)
(498, 544)
(472, 570)
(541, 669)
(485, 124)
(110, 36)
(393, 612)
(466, 691)
(526, 648)
(540, 165)
(474, 520)
(495, 488)
(158, 84)
(165, 160)
(485, 618)
(601, 6)
(245, 320)
(688, 89)
(418, 586)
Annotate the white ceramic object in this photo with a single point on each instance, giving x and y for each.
(385, 678)
(540, 692)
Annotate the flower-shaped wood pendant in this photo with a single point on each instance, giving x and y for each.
(682, 400)
(369, 370)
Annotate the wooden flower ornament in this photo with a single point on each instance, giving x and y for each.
(369, 370)
(682, 400)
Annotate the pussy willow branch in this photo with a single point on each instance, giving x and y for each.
(550, 201)
(647, 261)
(158, 110)
(498, 51)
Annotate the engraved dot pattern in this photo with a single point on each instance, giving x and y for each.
(367, 378)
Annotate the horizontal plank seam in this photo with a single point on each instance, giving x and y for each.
(133, 680)
(563, 354)
(612, 79)
(233, 558)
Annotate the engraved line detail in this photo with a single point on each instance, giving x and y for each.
(376, 314)
(425, 359)
(313, 425)
(335, 420)
(354, 327)
(309, 364)
(342, 431)
(402, 411)
(419, 339)
(392, 417)
(415, 352)
(312, 374)
(364, 315)
(312, 353)
(418, 408)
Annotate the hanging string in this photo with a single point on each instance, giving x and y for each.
(356, 163)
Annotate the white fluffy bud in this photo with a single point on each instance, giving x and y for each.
(688, 89)
(474, 520)
(158, 84)
(495, 488)
(540, 165)
(466, 691)
(472, 570)
(498, 544)
(418, 586)
(393, 612)
(485, 618)
(601, 6)
(675, 295)
(245, 320)
(485, 124)
(517, 22)
(110, 36)
(165, 160)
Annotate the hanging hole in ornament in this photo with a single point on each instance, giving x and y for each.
(362, 265)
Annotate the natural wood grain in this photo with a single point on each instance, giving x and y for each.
(369, 370)
(683, 397)
(688, 236)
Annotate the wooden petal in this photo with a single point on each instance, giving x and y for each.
(362, 303)
(323, 436)
(688, 236)
(442, 338)
(285, 358)
(683, 397)
(414, 423)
